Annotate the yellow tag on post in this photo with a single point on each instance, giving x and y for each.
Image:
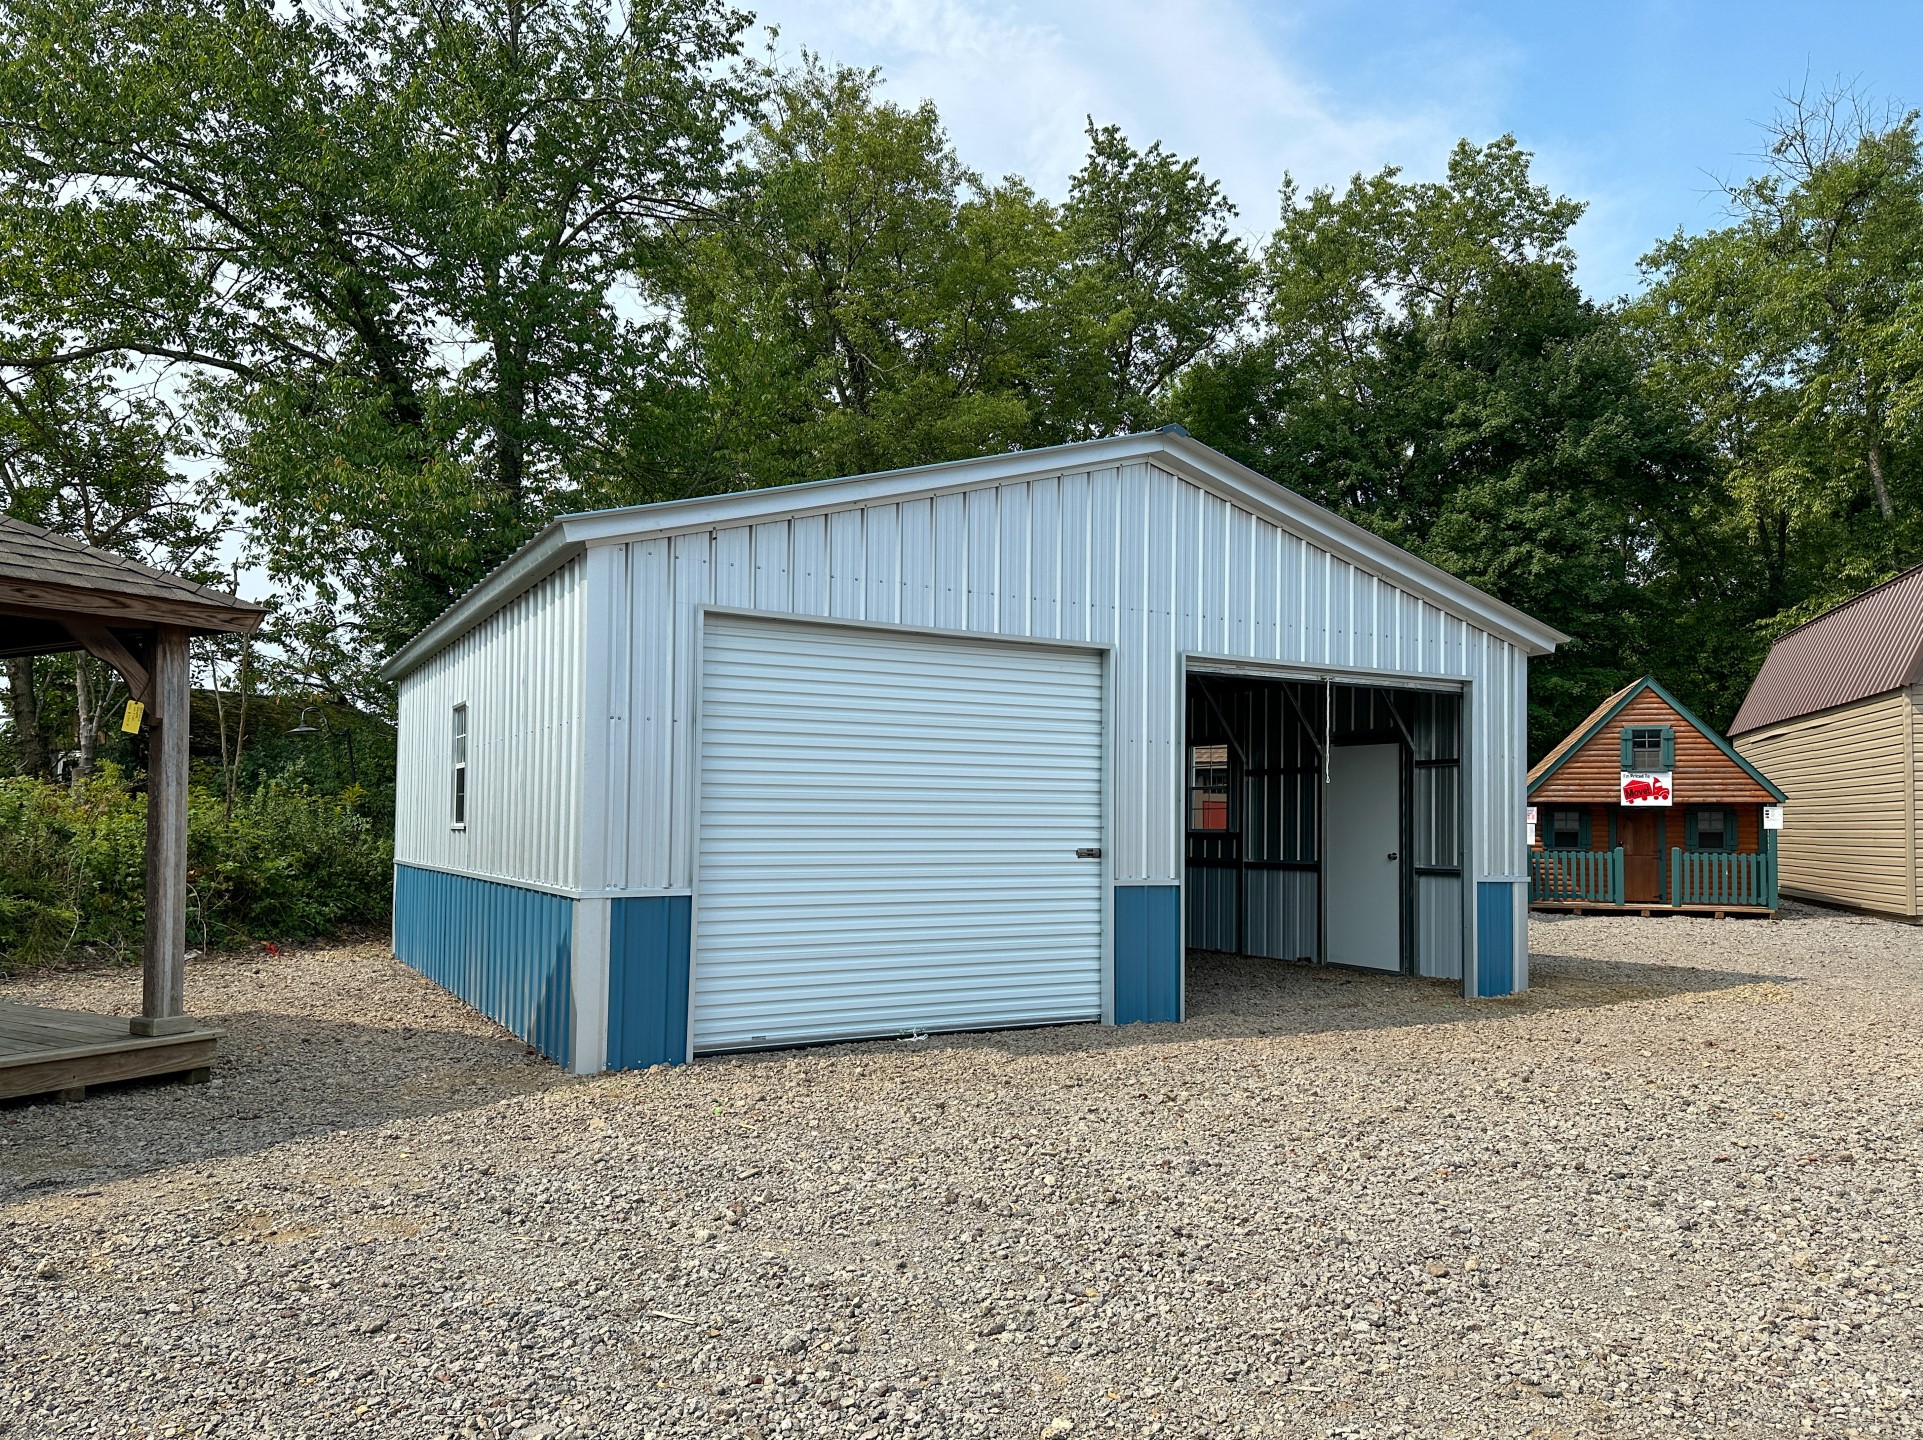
(130, 722)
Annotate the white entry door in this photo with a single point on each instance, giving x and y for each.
(1361, 870)
(889, 827)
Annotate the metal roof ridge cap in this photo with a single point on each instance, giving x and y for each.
(543, 553)
(1364, 544)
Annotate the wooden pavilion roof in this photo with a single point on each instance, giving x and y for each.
(47, 579)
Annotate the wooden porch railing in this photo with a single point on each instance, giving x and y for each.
(1707, 877)
(1572, 875)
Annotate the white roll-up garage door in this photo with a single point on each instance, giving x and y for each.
(889, 826)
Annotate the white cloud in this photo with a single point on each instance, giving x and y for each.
(1213, 80)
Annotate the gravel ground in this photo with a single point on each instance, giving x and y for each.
(1672, 1191)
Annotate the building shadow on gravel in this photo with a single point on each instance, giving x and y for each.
(1235, 997)
(277, 1077)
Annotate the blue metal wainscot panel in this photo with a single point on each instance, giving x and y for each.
(507, 951)
(1495, 938)
(648, 981)
(1148, 953)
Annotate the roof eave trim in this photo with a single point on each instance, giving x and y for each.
(547, 552)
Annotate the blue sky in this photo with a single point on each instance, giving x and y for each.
(1637, 108)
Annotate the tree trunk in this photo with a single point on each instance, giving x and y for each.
(1878, 479)
(23, 706)
(85, 719)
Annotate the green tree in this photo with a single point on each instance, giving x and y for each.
(1427, 366)
(866, 300)
(1151, 281)
(394, 258)
(1791, 335)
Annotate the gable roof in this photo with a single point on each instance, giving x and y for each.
(45, 574)
(1869, 645)
(1598, 718)
(1173, 450)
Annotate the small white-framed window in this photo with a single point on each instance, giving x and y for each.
(458, 750)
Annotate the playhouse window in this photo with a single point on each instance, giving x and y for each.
(1565, 829)
(1644, 751)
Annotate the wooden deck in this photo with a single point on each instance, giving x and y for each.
(62, 1052)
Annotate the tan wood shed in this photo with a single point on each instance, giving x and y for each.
(1835, 717)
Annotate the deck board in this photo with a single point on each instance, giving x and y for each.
(43, 1050)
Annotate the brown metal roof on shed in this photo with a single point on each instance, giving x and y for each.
(1869, 645)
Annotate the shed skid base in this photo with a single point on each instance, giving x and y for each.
(62, 1053)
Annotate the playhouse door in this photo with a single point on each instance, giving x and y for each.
(1642, 857)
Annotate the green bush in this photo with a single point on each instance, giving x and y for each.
(287, 864)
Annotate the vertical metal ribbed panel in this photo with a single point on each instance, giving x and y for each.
(519, 672)
(505, 950)
(888, 828)
(1439, 926)
(1131, 556)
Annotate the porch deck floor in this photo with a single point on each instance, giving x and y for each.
(1647, 907)
(61, 1052)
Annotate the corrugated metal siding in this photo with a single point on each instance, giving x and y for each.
(648, 967)
(505, 950)
(1148, 954)
(519, 672)
(1869, 645)
(1496, 924)
(1850, 828)
(1131, 556)
(1282, 915)
(1439, 926)
(888, 828)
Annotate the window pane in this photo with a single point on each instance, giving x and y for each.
(1709, 830)
(1565, 830)
(1645, 750)
(1208, 787)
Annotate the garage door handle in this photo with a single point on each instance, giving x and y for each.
(1089, 852)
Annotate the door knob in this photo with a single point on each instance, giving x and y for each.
(1393, 855)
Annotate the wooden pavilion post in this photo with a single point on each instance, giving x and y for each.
(164, 959)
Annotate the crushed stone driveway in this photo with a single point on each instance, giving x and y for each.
(1671, 1191)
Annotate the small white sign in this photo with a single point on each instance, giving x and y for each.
(1772, 817)
(1645, 787)
(1532, 834)
(1529, 814)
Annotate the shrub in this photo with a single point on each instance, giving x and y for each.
(287, 863)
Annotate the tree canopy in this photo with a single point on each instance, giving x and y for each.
(380, 288)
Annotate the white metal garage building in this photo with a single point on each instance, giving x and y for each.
(990, 743)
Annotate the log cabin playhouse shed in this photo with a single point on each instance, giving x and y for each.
(1000, 742)
(1642, 807)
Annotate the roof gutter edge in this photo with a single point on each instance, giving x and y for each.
(547, 552)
